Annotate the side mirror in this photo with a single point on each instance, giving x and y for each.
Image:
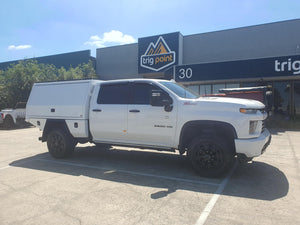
(168, 103)
(160, 98)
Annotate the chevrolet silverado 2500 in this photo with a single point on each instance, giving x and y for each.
(148, 113)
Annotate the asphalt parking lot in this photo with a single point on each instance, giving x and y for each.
(131, 186)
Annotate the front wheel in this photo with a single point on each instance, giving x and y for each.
(60, 144)
(210, 156)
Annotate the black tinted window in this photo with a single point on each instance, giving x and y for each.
(113, 94)
(141, 93)
(21, 105)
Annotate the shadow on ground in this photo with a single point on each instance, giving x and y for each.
(172, 172)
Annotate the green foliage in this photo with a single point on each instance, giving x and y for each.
(17, 80)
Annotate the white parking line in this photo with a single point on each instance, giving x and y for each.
(5, 167)
(130, 172)
(210, 205)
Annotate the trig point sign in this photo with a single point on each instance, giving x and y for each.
(158, 53)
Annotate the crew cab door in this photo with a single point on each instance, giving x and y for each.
(108, 112)
(147, 124)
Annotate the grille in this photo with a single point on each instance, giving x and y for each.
(263, 126)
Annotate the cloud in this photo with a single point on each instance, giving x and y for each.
(113, 37)
(18, 47)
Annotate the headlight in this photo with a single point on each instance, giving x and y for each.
(248, 111)
(252, 127)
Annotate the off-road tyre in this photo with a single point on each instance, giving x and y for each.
(210, 156)
(60, 143)
(8, 122)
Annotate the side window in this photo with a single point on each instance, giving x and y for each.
(113, 94)
(141, 93)
(21, 105)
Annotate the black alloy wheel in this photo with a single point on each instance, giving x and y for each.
(210, 157)
(60, 144)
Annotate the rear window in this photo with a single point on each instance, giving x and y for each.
(21, 105)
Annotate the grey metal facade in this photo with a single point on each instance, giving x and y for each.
(260, 41)
(118, 62)
(66, 60)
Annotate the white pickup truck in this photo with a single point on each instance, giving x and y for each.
(15, 116)
(149, 114)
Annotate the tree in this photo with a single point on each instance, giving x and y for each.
(17, 80)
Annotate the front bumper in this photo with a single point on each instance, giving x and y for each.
(255, 146)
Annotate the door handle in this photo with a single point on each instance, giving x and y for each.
(134, 111)
(97, 110)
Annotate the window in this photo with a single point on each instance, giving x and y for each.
(232, 85)
(205, 89)
(249, 84)
(21, 105)
(194, 88)
(297, 97)
(281, 93)
(255, 84)
(217, 87)
(114, 94)
(179, 90)
(141, 93)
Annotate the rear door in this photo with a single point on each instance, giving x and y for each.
(108, 112)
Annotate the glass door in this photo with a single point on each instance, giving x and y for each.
(282, 99)
(296, 98)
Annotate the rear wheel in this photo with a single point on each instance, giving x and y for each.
(8, 122)
(210, 156)
(60, 143)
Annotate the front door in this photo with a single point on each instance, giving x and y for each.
(149, 125)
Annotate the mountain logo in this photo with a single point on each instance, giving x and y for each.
(157, 56)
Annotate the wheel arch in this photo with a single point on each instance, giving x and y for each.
(9, 121)
(52, 124)
(195, 128)
(10, 116)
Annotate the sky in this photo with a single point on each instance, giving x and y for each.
(35, 28)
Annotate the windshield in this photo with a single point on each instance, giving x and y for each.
(180, 90)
